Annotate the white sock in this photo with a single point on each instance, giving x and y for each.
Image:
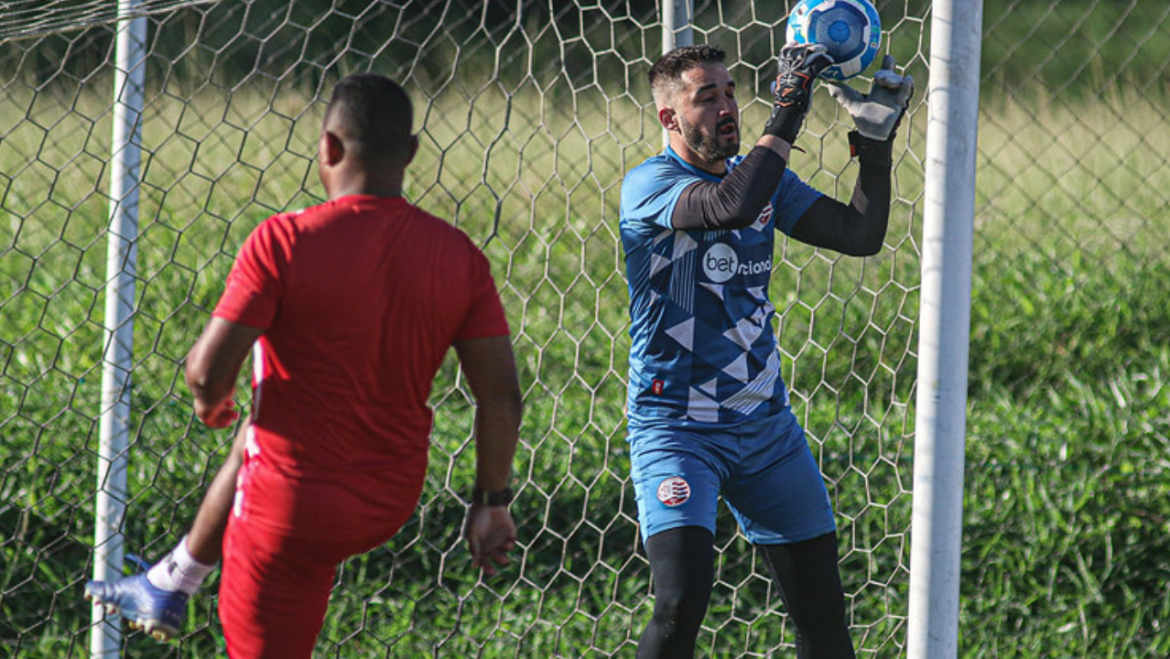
(178, 570)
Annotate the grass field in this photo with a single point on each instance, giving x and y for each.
(1067, 518)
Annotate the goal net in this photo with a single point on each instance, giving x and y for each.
(529, 113)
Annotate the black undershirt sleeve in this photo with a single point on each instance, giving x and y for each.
(859, 228)
(737, 200)
(854, 229)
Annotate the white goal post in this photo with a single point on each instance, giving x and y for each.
(118, 349)
(936, 529)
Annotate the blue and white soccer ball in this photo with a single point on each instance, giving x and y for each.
(850, 29)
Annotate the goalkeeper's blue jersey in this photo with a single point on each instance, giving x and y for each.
(703, 347)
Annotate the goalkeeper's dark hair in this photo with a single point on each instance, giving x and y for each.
(376, 116)
(669, 68)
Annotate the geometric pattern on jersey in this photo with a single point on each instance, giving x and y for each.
(719, 332)
(703, 348)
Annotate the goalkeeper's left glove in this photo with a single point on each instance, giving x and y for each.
(877, 114)
(799, 65)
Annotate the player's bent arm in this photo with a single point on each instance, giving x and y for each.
(205, 537)
(213, 364)
(857, 228)
(737, 200)
(777, 145)
(490, 370)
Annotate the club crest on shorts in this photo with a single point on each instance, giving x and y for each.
(674, 491)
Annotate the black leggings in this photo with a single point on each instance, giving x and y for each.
(682, 563)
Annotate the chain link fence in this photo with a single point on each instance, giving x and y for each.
(529, 113)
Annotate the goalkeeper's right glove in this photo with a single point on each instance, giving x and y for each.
(792, 90)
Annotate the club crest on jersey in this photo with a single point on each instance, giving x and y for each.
(765, 214)
(674, 491)
(657, 386)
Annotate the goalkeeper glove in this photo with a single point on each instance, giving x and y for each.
(793, 87)
(877, 114)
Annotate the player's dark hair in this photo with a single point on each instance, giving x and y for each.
(376, 115)
(670, 67)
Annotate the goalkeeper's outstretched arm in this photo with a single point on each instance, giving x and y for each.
(859, 228)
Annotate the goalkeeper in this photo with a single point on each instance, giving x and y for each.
(708, 412)
(349, 308)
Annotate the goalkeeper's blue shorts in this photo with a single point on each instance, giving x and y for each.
(763, 469)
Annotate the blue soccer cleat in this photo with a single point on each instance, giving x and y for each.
(153, 610)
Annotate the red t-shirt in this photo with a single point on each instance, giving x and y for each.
(359, 299)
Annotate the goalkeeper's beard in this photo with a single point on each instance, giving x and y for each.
(710, 147)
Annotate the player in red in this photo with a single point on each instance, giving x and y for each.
(348, 308)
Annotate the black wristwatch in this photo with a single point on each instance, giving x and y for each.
(495, 499)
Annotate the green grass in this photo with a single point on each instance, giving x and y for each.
(1066, 508)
